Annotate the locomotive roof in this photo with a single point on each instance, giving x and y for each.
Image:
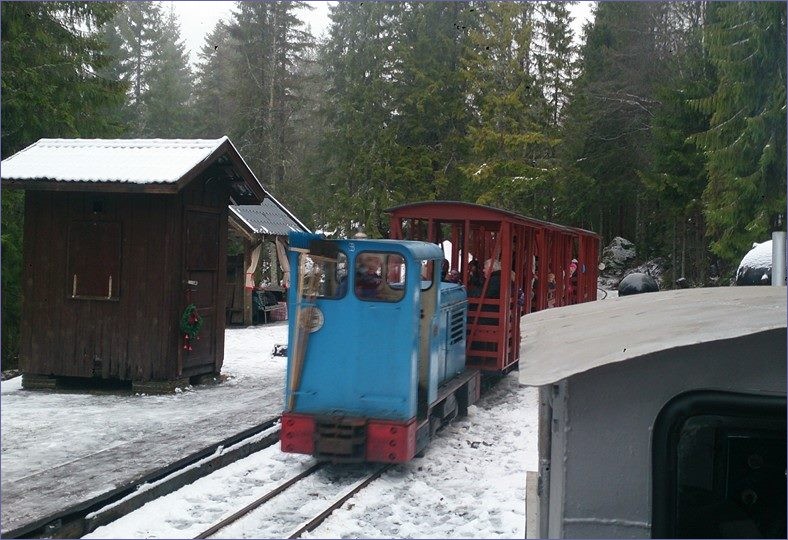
(453, 210)
(417, 250)
(558, 343)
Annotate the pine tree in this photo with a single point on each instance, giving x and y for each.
(508, 165)
(135, 35)
(51, 54)
(167, 112)
(746, 141)
(215, 109)
(356, 152)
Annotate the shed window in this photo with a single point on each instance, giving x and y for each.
(94, 249)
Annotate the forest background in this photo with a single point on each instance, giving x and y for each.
(664, 123)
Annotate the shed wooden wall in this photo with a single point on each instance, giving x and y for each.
(137, 336)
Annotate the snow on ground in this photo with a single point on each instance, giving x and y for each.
(469, 484)
(56, 444)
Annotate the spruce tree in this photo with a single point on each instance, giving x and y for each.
(355, 170)
(51, 54)
(745, 142)
(215, 109)
(135, 35)
(510, 145)
(167, 112)
(270, 40)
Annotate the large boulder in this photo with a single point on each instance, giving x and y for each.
(636, 283)
(617, 256)
(756, 267)
(654, 268)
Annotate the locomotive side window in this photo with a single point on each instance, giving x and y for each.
(323, 277)
(380, 277)
(426, 274)
(719, 467)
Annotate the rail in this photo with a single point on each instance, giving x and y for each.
(309, 524)
(84, 517)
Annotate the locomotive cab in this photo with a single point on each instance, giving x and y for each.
(376, 349)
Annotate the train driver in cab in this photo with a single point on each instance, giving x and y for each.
(368, 275)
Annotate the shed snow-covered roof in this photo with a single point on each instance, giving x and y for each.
(139, 161)
(558, 343)
(146, 165)
(270, 218)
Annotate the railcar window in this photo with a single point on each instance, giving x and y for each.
(380, 277)
(323, 277)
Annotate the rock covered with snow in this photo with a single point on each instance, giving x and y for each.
(636, 283)
(756, 267)
(617, 256)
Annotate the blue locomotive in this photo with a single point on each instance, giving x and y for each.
(376, 355)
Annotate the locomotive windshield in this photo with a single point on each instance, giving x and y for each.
(380, 277)
(323, 277)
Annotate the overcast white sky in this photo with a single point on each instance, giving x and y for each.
(198, 18)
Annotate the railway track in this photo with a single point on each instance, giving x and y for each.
(349, 483)
(84, 517)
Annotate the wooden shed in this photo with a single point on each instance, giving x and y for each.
(661, 415)
(120, 237)
(263, 229)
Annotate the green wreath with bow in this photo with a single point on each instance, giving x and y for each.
(191, 324)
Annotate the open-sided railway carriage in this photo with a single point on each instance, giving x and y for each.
(661, 415)
(538, 256)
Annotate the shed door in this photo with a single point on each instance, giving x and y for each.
(201, 229)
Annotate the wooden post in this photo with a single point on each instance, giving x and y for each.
(247, 293)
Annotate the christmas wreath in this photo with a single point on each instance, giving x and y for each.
(191, 323)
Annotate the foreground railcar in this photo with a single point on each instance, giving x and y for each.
(662, 415)
(376, 355)
(544, 264)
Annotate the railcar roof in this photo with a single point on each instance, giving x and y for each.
(450, 210)
(557, 343)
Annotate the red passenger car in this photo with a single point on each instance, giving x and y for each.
(547, 265)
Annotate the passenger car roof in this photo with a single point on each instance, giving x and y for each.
(557, 343)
